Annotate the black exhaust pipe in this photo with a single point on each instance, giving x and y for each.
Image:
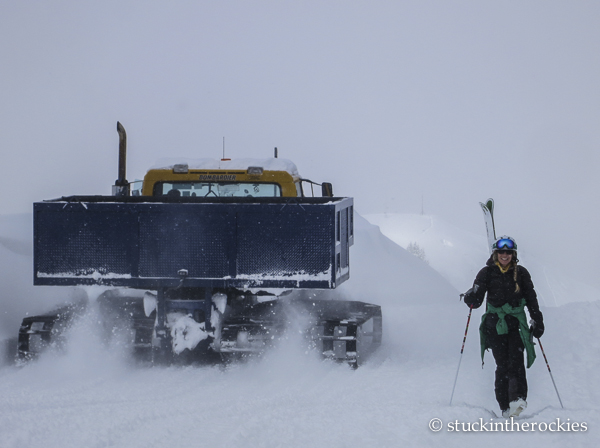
(121, 186)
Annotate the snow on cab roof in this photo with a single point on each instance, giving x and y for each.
(270, 164)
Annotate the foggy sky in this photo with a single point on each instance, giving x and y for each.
(401, 104)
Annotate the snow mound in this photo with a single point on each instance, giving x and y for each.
(458, 255)
(384, 273)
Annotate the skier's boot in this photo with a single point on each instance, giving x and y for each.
(516, 407)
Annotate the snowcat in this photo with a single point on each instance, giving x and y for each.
(208, 260)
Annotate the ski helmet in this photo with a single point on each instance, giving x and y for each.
(504, 243)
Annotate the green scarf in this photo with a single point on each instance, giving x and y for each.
(502, 327)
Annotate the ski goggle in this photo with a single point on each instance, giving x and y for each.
(505, 243)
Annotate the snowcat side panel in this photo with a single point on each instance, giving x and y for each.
(150, 245)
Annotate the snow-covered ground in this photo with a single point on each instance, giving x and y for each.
(90, 396)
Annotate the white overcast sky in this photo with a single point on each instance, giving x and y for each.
(395, 102)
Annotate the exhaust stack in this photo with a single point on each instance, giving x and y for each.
(121, 186)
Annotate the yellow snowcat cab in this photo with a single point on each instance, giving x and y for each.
(224, 178)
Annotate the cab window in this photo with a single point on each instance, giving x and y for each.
(217, 189)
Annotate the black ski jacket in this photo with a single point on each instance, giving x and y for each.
(500, 290)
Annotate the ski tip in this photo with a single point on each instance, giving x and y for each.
(488, 205)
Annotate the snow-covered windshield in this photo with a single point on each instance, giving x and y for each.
(217, 189)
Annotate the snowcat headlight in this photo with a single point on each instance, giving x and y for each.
(181, 168)
(255, 170)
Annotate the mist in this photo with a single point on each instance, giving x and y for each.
(409, 107)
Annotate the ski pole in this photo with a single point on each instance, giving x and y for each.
(550, 372)
(461, 351)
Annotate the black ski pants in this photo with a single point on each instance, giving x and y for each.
(511, 380)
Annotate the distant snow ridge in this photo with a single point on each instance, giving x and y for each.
(384, 273)
(458, 256)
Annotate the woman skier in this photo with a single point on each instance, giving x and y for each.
(504, 326)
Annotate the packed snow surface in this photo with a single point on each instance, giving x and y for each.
(90, 395)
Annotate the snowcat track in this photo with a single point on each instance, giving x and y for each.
(38, 333)
(343, 331)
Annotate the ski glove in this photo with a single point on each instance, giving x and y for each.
(537, 329)
(469, 296)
